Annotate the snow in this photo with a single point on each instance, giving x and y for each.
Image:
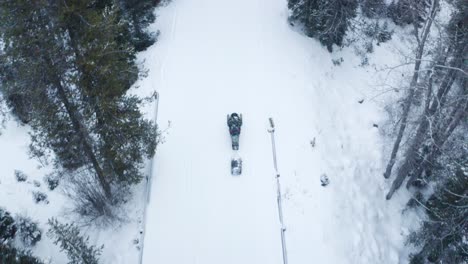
(217, 57)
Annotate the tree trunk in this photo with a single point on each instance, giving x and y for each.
(412, 87)
(428, 116)
(92, 98)
(458, 116)
(81, 132)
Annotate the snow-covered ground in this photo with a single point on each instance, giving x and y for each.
(17, 198)
(215, 57)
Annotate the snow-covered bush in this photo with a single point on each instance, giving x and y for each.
(373, 8)
(325, 20)
(20, 176)
(40, 197)
(28, 230)
(37, 183)
(11, 255)
(68, 237)
(91, 203)
(7, 226)
(324, 180)
(52, 181)
(378, 32)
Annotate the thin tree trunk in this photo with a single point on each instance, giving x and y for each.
(437, 103)
(439, 141)
(412, 87)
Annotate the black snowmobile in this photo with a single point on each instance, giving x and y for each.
(234, 122)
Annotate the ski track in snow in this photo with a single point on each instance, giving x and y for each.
(215, 57)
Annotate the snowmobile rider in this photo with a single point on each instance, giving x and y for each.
(234, 122)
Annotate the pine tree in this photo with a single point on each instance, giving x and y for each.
(40, 64)
(68, 237)
(442, 237)
(70, 61)
(406, 12)
(11, 255)
(108, 70)
(326, 20)
(139, 14)
(7, 226)
(373, 8)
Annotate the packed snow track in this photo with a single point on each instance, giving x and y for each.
(215, 57)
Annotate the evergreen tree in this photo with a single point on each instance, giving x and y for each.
(326, 20)
(442, 237)
(11, 255)
(126, 137)
(140, 14)
(70, 59)
(406, 12)
(7, 226)
(373, 8)
(40, 64)
(68, 237)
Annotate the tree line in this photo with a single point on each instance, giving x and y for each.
(66, 68)
(433, 116)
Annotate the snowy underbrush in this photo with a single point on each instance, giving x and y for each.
(33, 194)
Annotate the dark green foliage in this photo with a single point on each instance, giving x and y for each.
(326, 20)
(40, 197)
(7, 226)
(442, 236)
(11, 255)
(28, 231)
(20, 176)
(373, 8)
(20, 107)
(139, 14)
(406, 12)
(108, 70)
(378, 32)
(68, 237)
(69, 59)
(52, 180)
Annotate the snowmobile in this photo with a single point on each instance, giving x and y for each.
(234, 122)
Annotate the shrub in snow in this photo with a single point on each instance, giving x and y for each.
(337, 62)
(28, 231)
(91, 203)
(326, 20)
(11, 255)
(377, 32)
(68, 237)
(20, 107)
(7, 226)
(37, 183)
(324, 179)
(442, 237)
(40, 197)
(20, 176)
(52, 181)
(373, 8)
(405, 12)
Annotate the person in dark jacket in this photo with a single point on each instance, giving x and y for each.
(234, 122)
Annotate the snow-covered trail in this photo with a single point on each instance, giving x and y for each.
(216, 57)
